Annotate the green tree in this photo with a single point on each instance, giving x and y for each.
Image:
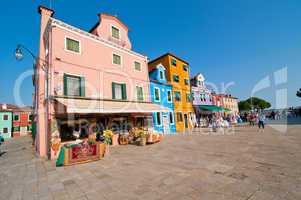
(299, 93)
(244, 106)
(254, 102)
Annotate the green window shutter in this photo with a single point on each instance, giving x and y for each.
(123, 86)
(65, 85)
(113, 90)
(16, 129)
(82, 86)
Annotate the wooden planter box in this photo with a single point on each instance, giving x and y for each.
(75, 154)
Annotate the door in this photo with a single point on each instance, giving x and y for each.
(23, 130)
(186, 120)
(165, 124)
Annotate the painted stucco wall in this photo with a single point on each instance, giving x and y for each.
(182, 106)
(94, 62)
(201, 96)
(6, 124)
(157, 82)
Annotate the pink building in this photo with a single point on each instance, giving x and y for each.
(87, 81)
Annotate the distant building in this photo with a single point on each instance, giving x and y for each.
(161, 93)
(15, 121)
(226, 101)
(22, 121)
(5, 121)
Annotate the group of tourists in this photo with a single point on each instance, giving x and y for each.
(254, 118)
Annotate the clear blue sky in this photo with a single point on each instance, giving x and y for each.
(234, 40)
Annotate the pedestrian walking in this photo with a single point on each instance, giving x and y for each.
(261, 121)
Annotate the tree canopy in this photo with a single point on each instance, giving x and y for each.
(256, 102)
(299, 93)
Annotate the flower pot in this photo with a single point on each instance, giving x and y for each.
(115, 139)
(142, 141)
(123, 140)
(102, 150)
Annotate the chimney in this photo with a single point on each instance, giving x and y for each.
(45, 11)
(4, 106)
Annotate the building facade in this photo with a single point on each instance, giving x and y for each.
(87, 80)
(22, 121)
(177, 74)
(230, 103)
(5, 121)
(161, 94)
(201, 96)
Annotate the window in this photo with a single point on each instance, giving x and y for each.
(115, 33)
(16, 129)
(139, 91)
(171, 118)
(29, 117)
(29, 128)
(178, 96)
(161, 75)
(16, 118)
(188, 97)
(116, 59)
(137, 66)
(72, 45)
(169, 98)
(176, 78)
(179, 117)
(185, 68)
(5, 117)
(5, 130)
(118, 91)
(158, 117)
(74, 85)
(186, 81)
(157, 94)
(174, 62)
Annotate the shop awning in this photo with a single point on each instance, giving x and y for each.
(86, 106)
(211, 108)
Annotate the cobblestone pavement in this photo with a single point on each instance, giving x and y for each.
(247, 165)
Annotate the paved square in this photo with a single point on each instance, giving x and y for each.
(247, 165)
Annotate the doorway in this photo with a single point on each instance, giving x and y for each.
(186, 120)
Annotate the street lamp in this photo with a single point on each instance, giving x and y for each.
(19, 53)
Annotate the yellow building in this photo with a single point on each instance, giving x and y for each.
(177, 74)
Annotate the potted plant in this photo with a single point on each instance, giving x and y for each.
(142, 137)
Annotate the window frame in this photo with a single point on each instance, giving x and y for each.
(186, 81)
(137, 97)
(4, 129)
(135, 66)
(119, 32)
(79, 45)
(173, 62)
(176, 96)
(173, 119)
(161, 72)
(123, 93)
(5, 115)
(169, 91)
(188, 93)
(18, 117)
(157, 88)
(161, 120)
(82, 87)
(173, 78)
(121, 61)
(181, 117)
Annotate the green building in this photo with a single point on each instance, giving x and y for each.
(6, 124)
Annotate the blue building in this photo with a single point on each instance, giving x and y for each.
(161, 93)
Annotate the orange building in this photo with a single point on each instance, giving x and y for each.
(177, 74)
